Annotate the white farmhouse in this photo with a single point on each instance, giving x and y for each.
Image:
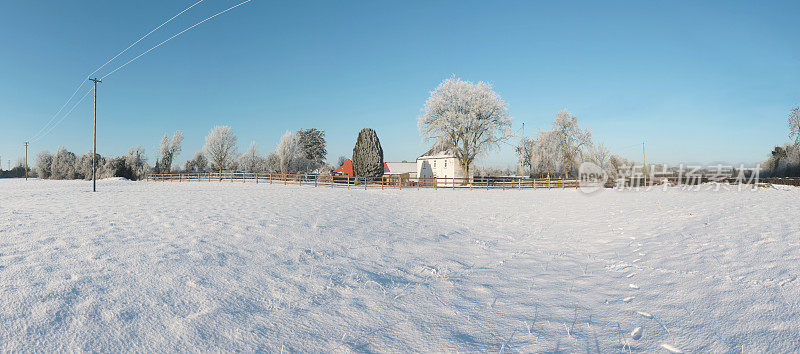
(442, 165)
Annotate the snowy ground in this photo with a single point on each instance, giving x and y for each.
(160, 266)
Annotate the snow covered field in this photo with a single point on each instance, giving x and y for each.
(158, 266)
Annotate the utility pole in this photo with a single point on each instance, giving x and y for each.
(94, 144)
(523, 150)
(644, 164)
(26, 160)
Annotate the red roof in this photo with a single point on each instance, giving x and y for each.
(346, 168)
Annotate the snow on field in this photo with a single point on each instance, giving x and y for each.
(166, 266)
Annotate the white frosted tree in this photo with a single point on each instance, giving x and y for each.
(44, 164)
(288, 156)
(544, 154)
(251, 161)
(221, 147)
(63, 166)
(169, 149)
(794, 124)
(571, 139)
(469, 117)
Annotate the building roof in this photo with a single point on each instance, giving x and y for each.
(438, 151)
(401, 167)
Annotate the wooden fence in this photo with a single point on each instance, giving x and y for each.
(369, 182)
(434, 183)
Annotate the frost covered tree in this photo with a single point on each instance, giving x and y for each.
(571, 139)
(168, 150)
(84, 167)
(221, 147)
(44, 164)
(251, 161)
(544, 154)
(794, 124)
(289, 157)
(137, 162)
(63, 166)
(470, 117)
(198, 163)
(618, 165)
(598, 154)
(313, 146)
(368, 154)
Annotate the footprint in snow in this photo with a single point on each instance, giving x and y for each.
(645, 314)
(637, 333)
(670, 348)
(630, 275)
(628, 299)
(633, 286)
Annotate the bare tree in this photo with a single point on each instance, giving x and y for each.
(220, 147)
(470, 117)
(598, 154)
(794, 124)
(168, 150)
(571, 139)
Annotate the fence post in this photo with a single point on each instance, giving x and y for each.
(365, 183)
(454, 183)
(348, 182)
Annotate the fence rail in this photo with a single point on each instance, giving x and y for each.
(369, 182)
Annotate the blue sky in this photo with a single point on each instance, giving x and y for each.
(699, 81)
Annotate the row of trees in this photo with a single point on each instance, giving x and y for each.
(303, 151)
(66, 165)
(561, 150)
(784, 161)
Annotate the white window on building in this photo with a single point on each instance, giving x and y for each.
(445, 164)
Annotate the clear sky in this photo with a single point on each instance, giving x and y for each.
(699, 81)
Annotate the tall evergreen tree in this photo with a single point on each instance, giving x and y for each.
(368, 155)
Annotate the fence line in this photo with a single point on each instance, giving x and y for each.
(384, 182)
(400, 182)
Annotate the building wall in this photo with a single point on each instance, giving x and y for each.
(439, 167)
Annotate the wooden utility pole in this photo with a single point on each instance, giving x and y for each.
(26, 160)
(523, 150)
(94, 144)
(644, 164)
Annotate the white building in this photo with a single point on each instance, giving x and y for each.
(405, 170)
(440, 164)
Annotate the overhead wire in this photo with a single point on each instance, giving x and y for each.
(176, 35)
(37, 136)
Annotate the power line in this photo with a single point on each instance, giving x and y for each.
(140, 39)
(36, 136)
(63, 117)
(178, 34)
